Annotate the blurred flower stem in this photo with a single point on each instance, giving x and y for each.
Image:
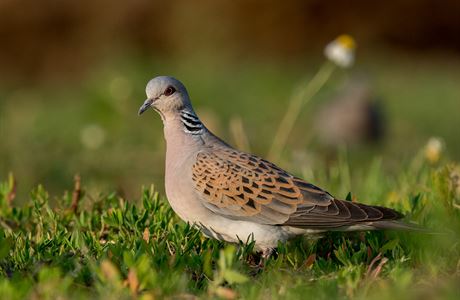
(298, 100)
(239, 134)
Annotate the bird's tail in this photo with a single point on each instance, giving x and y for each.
(399, 225)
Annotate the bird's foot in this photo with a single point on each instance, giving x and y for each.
(265, 254)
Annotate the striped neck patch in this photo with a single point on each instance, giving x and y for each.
(192, 123)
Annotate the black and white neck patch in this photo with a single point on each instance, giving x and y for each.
(192, 123)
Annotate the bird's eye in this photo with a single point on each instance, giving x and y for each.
(169, 91)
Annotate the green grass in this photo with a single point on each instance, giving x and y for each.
(129, 244)
(111, 248)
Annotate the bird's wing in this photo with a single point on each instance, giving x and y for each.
(245, 187)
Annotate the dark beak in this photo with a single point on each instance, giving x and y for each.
(145, 106)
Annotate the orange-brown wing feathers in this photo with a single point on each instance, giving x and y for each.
(240, 185)
(246, 187)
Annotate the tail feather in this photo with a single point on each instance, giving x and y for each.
(391, 220)
(398, 225)
(342, 215)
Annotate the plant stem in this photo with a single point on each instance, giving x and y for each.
(292, 113)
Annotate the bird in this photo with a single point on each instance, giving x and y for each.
(355, 116)
(235, 196)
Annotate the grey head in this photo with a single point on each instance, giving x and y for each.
(169, 97)
(166, 95)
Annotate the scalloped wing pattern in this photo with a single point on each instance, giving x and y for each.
(246, 187)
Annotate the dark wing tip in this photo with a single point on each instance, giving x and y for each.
(342, 213)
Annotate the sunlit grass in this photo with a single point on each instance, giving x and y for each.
(111, 248)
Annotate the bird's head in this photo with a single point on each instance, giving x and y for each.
(166, 95)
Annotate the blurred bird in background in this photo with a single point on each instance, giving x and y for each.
(353, 116)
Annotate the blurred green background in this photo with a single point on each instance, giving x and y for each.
(72, 77)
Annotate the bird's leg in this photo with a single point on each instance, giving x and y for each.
(265, 255)
(267, 252)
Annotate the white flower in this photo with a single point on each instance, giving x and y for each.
(92, 136)
(341, 51)
(433, 149)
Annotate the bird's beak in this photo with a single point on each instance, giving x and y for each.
(145, 106)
